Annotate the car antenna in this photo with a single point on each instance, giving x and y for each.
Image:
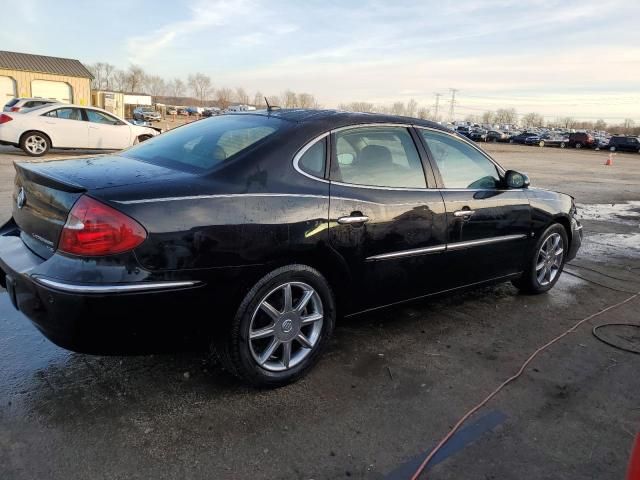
(270, 108)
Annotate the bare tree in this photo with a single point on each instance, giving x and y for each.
(135, 79)
(567, 122)
(532, 120)
(119, 80)
(241, 96)
(357, 107)
(506, 116)
(600, 125)
(156, 86)
(306, 100)
(488, 118)
(628, 123)
(200, 85)
(176, 88)
(412, 107)
(398, 108)
(289, 99)
(424, 113)
(258, 99)
(224, 96)
(108, 70)
(274, 100)
(97, 70)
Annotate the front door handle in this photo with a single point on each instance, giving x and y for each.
(353, 219)
(464, 213)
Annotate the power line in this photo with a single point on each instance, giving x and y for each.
(438, 95)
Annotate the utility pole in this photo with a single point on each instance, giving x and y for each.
(453, 102)
(438, 95)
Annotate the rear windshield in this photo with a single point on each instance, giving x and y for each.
(205, 144)
(11, 103)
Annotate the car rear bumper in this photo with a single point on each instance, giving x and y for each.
(112, 318)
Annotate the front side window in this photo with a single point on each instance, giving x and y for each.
(313, 160)
(379, 157)
(460, 164)
(65, 113)
(98, 117)
(206, 144)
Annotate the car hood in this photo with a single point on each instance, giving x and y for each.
(104, 172)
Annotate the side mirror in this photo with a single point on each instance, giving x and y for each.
(515, 179)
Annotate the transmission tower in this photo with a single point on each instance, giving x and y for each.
(452, 103)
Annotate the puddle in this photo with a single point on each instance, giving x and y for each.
(627, 213)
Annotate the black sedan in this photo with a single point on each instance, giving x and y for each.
(522, 137)
(253, 232)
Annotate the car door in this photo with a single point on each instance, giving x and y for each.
(385, 221)
(65, 127)
(106, 131)
(488, 224)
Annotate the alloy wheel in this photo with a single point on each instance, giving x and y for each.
(36, 144)
(549, 259)
(285, 326)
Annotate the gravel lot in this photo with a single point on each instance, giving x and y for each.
(388, 389)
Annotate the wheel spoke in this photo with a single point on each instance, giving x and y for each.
(314, 317)
(542, 274)
(304, 301)
(288, 301)
(269, 351)
(262, 333)
(267, 308)
(539, 265)
(303, 340)
(286, 354)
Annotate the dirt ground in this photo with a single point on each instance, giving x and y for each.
(390, 386)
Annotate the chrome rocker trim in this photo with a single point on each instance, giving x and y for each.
(442, 248)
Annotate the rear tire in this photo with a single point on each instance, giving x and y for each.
(612, 149)
(273, 341)
(35, 144)
(578, 145)
(546, 261)
(541, 143)
(562, 145)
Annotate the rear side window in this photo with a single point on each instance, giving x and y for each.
(65, 113)
(98, 117)
(206, 144)
(11, 102)
(377, 156)
(313, 160)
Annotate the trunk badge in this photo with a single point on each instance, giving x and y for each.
(22, 198)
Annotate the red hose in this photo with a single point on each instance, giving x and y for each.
(466, 416)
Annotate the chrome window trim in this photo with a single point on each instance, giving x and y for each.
(302, 151)
(445, 247)
(468, 142)
(114, 288)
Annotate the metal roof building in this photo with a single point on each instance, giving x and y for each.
(26, 75)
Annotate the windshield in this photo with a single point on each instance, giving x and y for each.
(205, 144)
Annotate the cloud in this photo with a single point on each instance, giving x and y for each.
(203, 14)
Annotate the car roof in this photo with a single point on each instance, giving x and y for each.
(338, 118)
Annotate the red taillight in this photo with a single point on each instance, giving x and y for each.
(15, 109)
(5, 118)
(94, 228)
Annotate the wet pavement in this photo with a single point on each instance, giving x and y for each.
(390, 386)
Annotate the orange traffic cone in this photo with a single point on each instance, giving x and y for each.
(609, 161)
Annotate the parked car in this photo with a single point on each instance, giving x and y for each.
(58, 125)
(183, 111)
(147, 114)
(21, 104)
(182, 234)
(195, 111)
(582, 140)
(478, 135)
(533, 139)
(624, 144)
(522, 137)
(497, 136)
(172, 111)
(552, 140)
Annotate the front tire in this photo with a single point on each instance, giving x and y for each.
(35, 144)
(578, 145)
(280, 329)
(545, 265)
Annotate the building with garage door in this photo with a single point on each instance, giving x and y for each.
(26, 75)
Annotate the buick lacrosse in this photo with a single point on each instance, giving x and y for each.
(253, 232)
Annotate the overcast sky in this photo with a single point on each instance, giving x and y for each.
(578, 58)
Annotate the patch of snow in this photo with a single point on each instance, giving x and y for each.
(627, 213)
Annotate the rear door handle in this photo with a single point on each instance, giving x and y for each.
(464, 213)
(353, 219)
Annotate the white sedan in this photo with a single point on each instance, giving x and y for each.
(69, 126)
